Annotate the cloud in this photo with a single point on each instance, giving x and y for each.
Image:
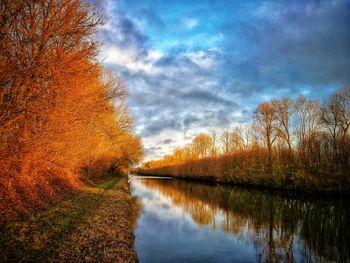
(190, 23)
(206, 97)
(298, 42)
(124, 43)
(192, 66)
(167, 141)
(130, 60)
(204, 59)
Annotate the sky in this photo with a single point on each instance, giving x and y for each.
(194, 66)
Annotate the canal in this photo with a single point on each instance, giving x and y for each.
(182, 221)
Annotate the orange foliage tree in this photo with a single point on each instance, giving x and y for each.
(60, 112)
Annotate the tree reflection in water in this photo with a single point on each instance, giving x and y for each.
(283, 229)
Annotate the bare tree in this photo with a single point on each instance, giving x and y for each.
(225, 142)
(283, 110)
(307, 120)
(202, 144)
(265, 118)
(214, 142)
(335, 116)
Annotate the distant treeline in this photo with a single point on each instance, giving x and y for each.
(302, 145)
(61, 115)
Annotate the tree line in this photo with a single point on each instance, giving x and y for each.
(62, 115)
(289, 143)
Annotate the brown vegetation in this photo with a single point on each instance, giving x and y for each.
(61, 115)
(95, 226)
(302, 145)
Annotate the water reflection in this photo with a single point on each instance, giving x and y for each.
(190, 222)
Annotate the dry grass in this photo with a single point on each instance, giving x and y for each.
(94, 226)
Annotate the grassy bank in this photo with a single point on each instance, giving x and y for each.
(238, 171)
(95, 225)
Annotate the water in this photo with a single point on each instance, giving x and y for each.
(183, 221)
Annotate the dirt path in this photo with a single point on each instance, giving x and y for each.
(94, 226)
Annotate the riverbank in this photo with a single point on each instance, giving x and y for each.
(222, 173)
(95, 225)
